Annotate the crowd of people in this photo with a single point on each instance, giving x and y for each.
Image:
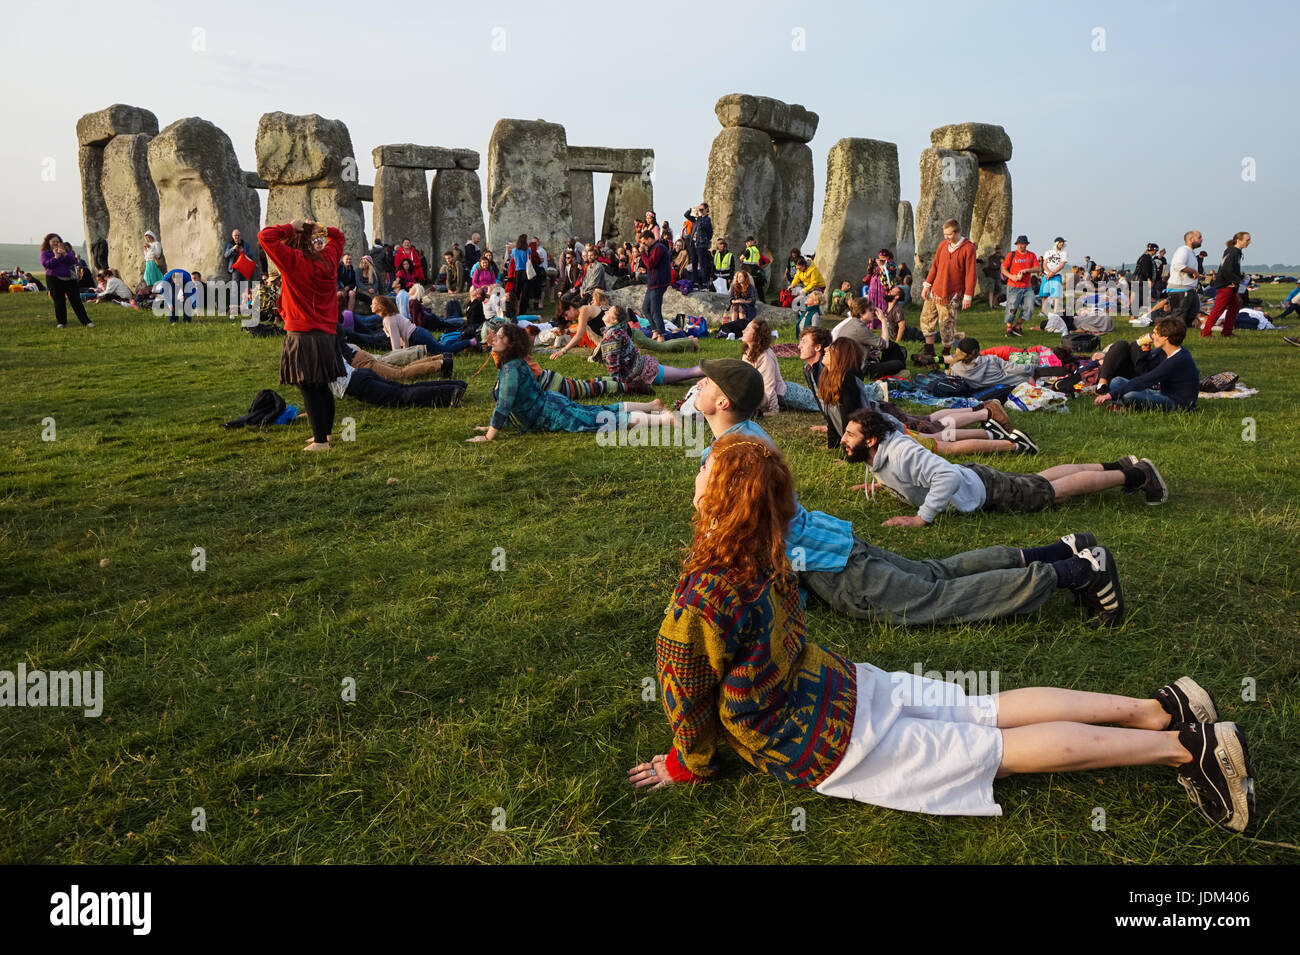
(734, 659)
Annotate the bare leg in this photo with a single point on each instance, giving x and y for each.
(1048, 704)
(973, 446)
(1085, 482)
(1065, 470)
(673, 375)
(956, 417)
(1067, 747)
(651, 407)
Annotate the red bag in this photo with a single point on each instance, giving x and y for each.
(244, 266)
(786, 298)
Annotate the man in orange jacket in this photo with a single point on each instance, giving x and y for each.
(951, 279)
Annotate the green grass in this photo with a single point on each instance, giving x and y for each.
(479, 689)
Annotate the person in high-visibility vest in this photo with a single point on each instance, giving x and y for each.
(724, 263)
(752, 262)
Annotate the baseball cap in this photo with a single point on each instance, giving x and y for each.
(740, 381)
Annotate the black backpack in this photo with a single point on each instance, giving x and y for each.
(1081, 343)
(945, 386)
(267, 407)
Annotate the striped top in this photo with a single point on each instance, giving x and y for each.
(735, 665)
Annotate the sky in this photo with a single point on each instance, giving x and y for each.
(1130, 122)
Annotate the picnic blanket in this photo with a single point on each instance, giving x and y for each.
(905, 389)
(1240, 391)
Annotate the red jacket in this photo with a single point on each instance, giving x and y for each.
(400, 255)
(952, 273)
(308, 289)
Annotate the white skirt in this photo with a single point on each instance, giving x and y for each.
(919, 745)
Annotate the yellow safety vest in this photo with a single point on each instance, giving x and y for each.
(722, 261)
(751, 255)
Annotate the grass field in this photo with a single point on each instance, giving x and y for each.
(516, 696)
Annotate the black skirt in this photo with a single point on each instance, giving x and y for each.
(310, 358)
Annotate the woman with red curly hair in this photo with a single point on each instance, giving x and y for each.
(735, 665)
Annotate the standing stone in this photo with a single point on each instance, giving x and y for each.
(311, 170)
(528, 184)
(132, 204)
(582, 193)
(456, 204)
(905, 244)
(94, 212)
(949, 179)
(989, 143)
(739, 184)
(991, 220)
(201, 195)
(790, 216)
(630, 197)
(860, 211)
(401, 208)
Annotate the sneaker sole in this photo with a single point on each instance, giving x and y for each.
(1199, 701)
(1163, 488)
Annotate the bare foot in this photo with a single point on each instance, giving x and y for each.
(696, 342)
(317, 446)
(656, 406)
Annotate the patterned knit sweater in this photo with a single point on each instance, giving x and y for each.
(734, 664)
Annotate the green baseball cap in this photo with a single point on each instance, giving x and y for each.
(738, 380)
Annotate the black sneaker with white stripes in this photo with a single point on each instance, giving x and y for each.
(1079, 541)
(995, 431)
(1024, 443)
(1102, 595)
(1218, 780)
(1157, 491)
(1186, 701)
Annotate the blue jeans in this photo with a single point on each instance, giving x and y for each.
(652, 308)
(422, 336)
(1019, 299)
(1143, 400)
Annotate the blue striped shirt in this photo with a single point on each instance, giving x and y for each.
(815, 541)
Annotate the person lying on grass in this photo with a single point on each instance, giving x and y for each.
(735, 665)
(368, 386)
(521, 401)
(831, 371)
(870, 583)
(550, 380)
(985, 371)
(631, 366)
(922, 478)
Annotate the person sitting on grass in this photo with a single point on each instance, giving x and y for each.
(841, 299)
(521, 401)
(114, 289)
(402, 332)
(778, 394)
(743, 305)
(735, 665)
(985, 371)
(636, 370)
(839, 393)
(1175, 374)
(922, 478)
(882, 357)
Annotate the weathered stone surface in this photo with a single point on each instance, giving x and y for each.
(94, 213)
(465, 158)
(860, 211)
(401, 207)
(131, 201)
(991, 218)
(777, 119)
(202, 195)
(949, 179)
(253, 181)
(607, 159)
(365, 193)
(311, 169)
(456, 202)
(582, 194)
(411, 156)
(712, 305)
(904, 247)
(327, 206)
(739, 183)
(989, 143)
(96, 129)
(528, 183)
(630, 197)
(298, 150)
(790, 215)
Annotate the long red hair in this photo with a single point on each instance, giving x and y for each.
(843, 358)
(743, 514)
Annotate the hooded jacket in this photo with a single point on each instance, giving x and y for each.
(924, 479)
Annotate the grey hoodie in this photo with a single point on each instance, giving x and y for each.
(924, 479)
(986, 370)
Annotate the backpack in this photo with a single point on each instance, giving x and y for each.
(267, 408)
(786, 298)
(1081, 343)
(945, 386)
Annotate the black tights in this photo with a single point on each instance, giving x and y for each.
(319, 402)
(65, 292)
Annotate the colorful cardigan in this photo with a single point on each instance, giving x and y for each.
(734, 664)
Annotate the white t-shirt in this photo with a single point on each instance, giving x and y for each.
(1054, 260)
(1184, 258)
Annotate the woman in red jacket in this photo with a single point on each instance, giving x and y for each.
(408, 253)
(307, 255)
